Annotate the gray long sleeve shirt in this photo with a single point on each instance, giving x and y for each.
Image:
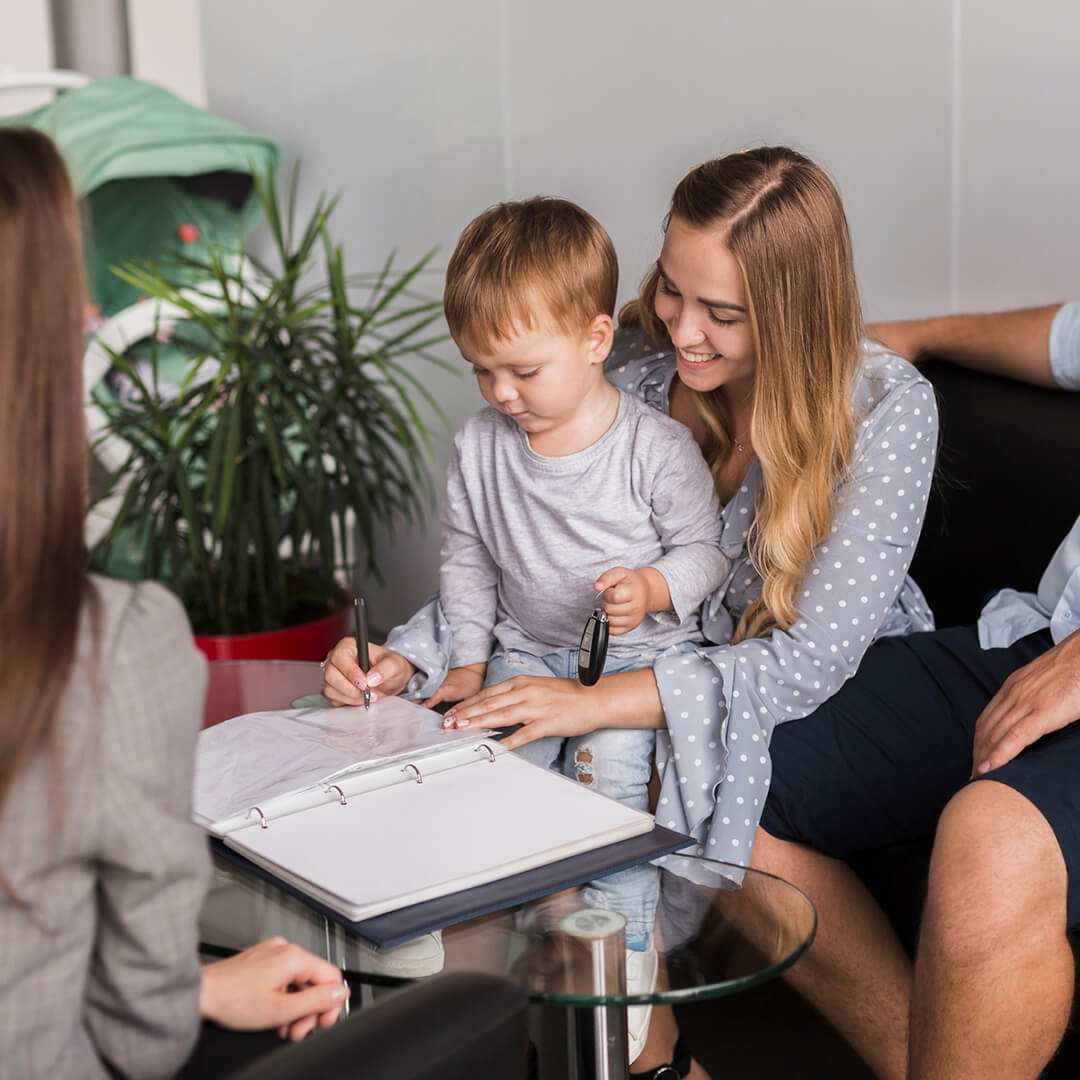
(525, 536)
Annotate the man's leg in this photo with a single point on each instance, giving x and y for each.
(874, 766)
(994, 974)
(856, 973)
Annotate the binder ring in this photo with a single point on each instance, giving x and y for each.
(487, 750)
(419, 774)
(341, 794)
(263, 823)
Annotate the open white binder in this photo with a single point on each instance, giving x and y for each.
(422, 814)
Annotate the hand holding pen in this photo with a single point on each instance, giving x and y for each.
(362, 650)
(354, 667)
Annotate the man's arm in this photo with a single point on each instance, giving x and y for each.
(1012, 343)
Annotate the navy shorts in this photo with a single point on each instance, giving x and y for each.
(876, 764)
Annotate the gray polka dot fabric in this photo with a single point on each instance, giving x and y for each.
(722, 701)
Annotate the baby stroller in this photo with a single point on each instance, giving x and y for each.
(156, 176)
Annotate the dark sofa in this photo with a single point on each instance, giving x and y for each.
(1006, 492)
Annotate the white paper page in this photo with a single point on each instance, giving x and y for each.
(257, 757)
(410, 842)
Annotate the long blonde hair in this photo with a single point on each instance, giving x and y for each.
(781, 218)
(43, 582)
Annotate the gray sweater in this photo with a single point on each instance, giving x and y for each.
(525, 536)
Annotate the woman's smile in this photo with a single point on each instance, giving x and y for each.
(697, 359)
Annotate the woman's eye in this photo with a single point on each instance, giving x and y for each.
(480, 372)
(528, 374)
(667, 289)
(720, 322)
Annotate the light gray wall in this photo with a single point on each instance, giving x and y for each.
(1017, 209)
(423, 113)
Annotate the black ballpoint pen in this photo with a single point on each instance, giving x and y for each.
(360, 619)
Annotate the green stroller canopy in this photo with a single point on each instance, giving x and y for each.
(157, 174)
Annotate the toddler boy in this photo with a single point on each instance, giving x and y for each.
(563, 488)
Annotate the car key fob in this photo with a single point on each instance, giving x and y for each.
(592, 653)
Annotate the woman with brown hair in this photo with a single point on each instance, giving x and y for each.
(102, 873)
(822, 446)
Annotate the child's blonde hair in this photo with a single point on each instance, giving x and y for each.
(520, 260)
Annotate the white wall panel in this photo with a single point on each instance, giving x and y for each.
(25, 45)
(166, 46)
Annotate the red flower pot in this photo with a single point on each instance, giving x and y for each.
(307, 641)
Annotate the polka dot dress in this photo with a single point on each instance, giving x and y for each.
(723, 701)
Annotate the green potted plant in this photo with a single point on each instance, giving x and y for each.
(292, 424)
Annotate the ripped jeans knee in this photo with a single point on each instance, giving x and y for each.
(583, 765)
(617, 762)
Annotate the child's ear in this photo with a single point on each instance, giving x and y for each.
(598, 338)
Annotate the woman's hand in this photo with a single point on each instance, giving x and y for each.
(542, 707)
(272, 985)
(344, 682)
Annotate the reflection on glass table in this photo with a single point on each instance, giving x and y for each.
(720, 930)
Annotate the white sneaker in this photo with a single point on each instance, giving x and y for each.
(274, 912)
(641, 972)
(409, 960)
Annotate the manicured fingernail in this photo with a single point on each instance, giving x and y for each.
(341, 993)
(447, 721)
(983, 768)
(374, 679)
(358, 683)
(462, 723)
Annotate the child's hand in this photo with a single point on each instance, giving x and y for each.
(628, 595)
(460, 683)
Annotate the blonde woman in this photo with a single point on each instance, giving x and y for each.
(822, 447)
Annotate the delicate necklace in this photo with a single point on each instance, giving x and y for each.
(740, 446)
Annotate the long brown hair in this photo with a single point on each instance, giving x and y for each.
(781, 218)
(43, 583)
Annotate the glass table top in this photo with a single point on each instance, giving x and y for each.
(720, 929)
